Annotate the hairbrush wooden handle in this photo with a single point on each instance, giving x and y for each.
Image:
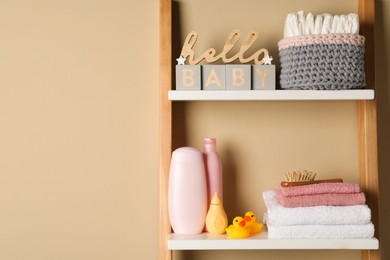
(300, 183)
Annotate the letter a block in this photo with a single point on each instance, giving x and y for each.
(238, 77)
(213, 77)
(263, 77)
(188, 77)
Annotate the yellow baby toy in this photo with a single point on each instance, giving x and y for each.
(250, 219)
(238, 229)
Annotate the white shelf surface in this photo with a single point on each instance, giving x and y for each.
(270, 95)
(205, 241)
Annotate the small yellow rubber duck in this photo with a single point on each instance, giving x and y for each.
(238, 229)
(250, 219)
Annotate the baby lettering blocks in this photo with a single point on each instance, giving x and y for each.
(229, 77)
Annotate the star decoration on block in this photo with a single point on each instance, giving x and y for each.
(180, 60)
(267, 60)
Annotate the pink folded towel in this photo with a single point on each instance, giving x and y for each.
(320, 188)
(329, 199)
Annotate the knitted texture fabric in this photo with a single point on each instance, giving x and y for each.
(322, 62)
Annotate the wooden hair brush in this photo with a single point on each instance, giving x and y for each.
(305, 177)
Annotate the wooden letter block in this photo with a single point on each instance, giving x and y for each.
(213, 77)
(188, 77)
(263, 77)
(238, 77)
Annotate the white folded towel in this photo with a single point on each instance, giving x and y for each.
(327, 24)
(321, 231)
(317, 24)
(320, 215)
(336, 24)
(301, 22)
(298, 24)
(353, 20)
(309, 25)
(291, 27)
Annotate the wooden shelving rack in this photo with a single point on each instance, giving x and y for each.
(367, 134)
(205, 241)
(271, 95)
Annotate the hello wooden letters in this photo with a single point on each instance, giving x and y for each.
(210, 55)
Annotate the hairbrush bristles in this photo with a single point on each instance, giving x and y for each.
(296, 176)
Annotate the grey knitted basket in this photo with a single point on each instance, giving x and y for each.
(322, 62)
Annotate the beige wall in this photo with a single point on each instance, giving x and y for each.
(79, 128)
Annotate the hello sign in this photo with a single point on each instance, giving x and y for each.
(260, 75)
(210, 55)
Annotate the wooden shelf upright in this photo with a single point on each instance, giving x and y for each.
(367, 134)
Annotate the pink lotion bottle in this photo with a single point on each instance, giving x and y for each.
(187, 191)
(213, 168)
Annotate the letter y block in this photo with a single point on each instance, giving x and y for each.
(263, 77)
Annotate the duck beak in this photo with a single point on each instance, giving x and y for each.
(242, 223)
(247, 218)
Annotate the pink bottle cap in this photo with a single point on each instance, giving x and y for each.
(212, 140)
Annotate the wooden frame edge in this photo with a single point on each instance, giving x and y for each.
(165, 124)
(367, 124)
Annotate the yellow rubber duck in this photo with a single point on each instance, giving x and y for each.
(238, 229)
(250, 219)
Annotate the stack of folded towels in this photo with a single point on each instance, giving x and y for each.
(323, 210)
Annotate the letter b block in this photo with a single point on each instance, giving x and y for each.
(188, 77)
(238, 77)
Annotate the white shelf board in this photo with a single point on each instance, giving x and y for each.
(286, 95)
(205, 241)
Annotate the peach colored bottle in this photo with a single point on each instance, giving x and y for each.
(187, 191)
(213, 167)
(216, 219)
